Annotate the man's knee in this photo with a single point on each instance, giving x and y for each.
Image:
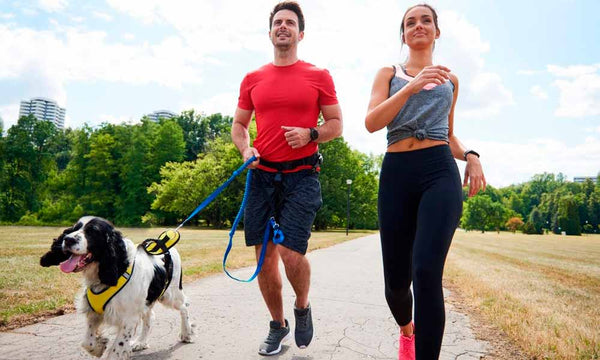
(291, 258)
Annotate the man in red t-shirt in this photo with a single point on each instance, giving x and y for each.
(286, 96)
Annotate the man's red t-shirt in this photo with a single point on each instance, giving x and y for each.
(285, 96)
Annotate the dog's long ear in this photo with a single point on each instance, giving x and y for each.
(56, 255)
(113, 260)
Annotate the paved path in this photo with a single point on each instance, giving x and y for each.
(351, 318)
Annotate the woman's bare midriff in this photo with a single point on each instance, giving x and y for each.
(412, 143)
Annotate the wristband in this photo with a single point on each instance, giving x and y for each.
(470, 152)
(314, 134)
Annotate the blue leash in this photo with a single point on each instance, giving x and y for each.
(277, 234)
(216, 193)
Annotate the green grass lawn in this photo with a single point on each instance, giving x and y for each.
(29, 291)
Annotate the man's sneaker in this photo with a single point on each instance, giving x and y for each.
(304, 327)
(277, 334)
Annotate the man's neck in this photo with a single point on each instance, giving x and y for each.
(285, 57)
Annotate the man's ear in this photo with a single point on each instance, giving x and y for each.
(300, 35)
(437, 33)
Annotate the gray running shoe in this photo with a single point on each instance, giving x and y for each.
(304, 327)
(277, 334)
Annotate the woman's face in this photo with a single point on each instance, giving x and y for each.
(419, 29)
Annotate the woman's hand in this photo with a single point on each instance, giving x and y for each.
(474, 175)
(434, 74)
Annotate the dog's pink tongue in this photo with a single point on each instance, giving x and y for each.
(70, 264)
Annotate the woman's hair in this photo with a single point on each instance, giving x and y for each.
(288, 5)
(433, 12)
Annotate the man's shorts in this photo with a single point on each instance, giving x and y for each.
(300, 199)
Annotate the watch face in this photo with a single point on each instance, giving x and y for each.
(314, 134)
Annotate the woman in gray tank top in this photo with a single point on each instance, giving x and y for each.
(420, 193)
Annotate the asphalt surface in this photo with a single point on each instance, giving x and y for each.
(350, 315)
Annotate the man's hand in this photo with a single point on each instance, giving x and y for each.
(296, 137)
(248, 153)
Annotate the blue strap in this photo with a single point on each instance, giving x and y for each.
(272, 224)
(216, 193)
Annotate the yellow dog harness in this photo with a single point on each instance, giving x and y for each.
(99, 300)
(160, 246)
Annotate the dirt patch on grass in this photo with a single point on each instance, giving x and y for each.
(502, 347)
(18, 321)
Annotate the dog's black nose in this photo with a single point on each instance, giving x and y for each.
(69, 241)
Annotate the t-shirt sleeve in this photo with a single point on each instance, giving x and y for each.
(245, 100)
(327, 94)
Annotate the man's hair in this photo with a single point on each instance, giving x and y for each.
(288, 5)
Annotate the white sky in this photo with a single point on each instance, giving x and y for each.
(529, 93)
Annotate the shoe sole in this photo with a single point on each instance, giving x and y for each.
(278, 350)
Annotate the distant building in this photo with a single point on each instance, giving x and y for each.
(582, 179)
(44, 109)
(165, 114)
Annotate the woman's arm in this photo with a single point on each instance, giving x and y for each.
(383, 108)
(473, 171)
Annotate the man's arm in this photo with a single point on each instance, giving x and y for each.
(241, 137)
(297, 137)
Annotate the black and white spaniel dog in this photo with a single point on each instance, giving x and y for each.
(97, 250)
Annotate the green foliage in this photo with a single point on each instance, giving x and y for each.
(340, 164)
(157, 173)
(481, 213)
(185, 185)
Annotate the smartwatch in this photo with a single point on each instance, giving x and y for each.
(314, 134)
(470, 152)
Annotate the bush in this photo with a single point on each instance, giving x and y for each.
(514, 223)
(529, 228)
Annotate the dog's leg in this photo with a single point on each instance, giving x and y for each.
(182, 304)
(142, 342)
(121, 348)
(93, 342)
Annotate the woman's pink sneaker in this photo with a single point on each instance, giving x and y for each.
(406, 347)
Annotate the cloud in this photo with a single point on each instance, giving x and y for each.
(224, 103)
(53, 5)
(72, 54)
(538, 92)
(511, 163)
(579, 87)
(129, 36)
(9, 114)
(102, 16)
(529, 72)
(7, 16)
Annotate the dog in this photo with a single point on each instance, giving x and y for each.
(107, 260)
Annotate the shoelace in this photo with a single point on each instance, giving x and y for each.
(273, 336)
(303, 320)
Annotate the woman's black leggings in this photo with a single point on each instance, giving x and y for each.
(420, 204)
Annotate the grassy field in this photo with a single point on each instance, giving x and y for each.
(29, 291)
(541, 290)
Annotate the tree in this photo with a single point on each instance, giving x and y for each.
(475, 213)
(535, 218)
(514, 223)
(568, 216)
(25, 167)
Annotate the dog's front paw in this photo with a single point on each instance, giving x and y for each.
(186, 338)
(139, 346)
(97, 347)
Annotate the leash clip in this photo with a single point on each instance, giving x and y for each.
(277, 233)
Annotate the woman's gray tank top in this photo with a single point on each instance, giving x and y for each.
(425, 114)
